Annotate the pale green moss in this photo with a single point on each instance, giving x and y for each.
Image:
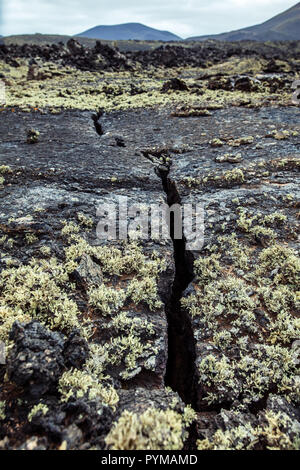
(5, 169)
(128, 350)
(45, 250)
(3, 239)
(126, 259)
(84, 220)
(152, 430)
(122, 322)
(145, 290)
(263, 234)
(30, 238)
(40, 408)
(8, 316)
(80, 383)
(216, 143)
(207, 269)
(38, 291)
(248, 378)
(227, 297)
(107, 299)
(273, 434)
(255, 314)
(237, 251)
(285, 260)
(70, 228)
(235, 176)
(2, 410)
(241, 141)
(138, 275)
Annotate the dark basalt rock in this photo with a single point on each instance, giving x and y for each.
(75, 47)
(73, 54)
(273, 67)
(75, 350)
(93, 418)
(36, 361)
(234, 83)
(39, 356)
(103, 56)
(174, 84)
(165, 158)
(79, 423)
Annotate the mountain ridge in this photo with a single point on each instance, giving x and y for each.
(127, 31)
(283, 27)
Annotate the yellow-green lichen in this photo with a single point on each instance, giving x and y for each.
(40, 408)
(152, 430)
(248, 302)
(106, 299)
(272, 434)
(2, 410)
(38, 290)
(80, 383)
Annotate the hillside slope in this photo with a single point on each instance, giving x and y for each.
(285, 26)
(129, 31)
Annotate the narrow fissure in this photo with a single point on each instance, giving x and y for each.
(180, 372)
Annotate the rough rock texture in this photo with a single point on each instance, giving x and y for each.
(39, 356)
(112, 338)
(102, 56)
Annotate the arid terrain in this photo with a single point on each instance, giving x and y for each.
(146, 344)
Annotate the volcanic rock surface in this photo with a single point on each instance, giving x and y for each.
(112, 343)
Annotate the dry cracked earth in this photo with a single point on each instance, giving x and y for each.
(147, 343)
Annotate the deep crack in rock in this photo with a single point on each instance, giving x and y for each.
(180, 372)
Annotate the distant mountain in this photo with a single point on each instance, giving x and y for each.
(128, 31)
(283, 27)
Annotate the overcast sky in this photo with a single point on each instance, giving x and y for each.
(183, 17)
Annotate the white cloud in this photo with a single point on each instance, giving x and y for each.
(192, 17)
